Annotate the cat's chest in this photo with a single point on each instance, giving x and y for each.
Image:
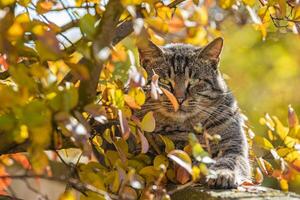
(169, 124)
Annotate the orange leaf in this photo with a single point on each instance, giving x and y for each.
(296, 164)
(182, 175)
(247, 183)
(258, 177)
(172, 99)
(130, 101)
(4, 182)
(22, 159)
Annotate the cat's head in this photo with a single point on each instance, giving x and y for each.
(190, 73)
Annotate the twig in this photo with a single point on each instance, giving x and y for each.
(35, 190)
(181, 187)
(75, 183)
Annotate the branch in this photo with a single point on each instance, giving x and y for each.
(74, 183)
(4, 75)
(104, 35)
(123, 30)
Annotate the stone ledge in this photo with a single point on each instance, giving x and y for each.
(247, 192)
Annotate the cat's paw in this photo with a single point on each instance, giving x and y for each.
(222, 179)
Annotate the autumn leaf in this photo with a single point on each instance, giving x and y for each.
(292, 117)
(171, 98)
(169, 144)
(144, 142)
(148, 122)
(182, 175)
(258, 176)
(182, 159)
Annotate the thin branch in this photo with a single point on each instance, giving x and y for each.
(35, 190)
(75, 183)
(104, 35)
(181, 187)
(175, 3)
(4, 75)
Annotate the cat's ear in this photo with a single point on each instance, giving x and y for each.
(213, 49)
(148, 50)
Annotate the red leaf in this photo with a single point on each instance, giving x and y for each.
(144, 142)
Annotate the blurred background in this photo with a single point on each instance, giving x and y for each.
(263, 75)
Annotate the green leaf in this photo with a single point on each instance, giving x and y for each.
(87, 25)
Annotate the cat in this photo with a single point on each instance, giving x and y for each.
(192, 75)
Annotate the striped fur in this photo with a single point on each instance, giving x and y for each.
(192, 75)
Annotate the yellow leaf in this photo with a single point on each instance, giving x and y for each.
(24, 131)
(15, 31)
(6, 2)
(169, 145)
(284, 185)
(138, 95)
(196, 172)
(249, 2)
(182, 159)
(160, 160)
(263, 142)
(148, 122)
(280, 129)
(226, 4)
(67, 195)
(130, 101)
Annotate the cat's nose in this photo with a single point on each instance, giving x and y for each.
(180, 100)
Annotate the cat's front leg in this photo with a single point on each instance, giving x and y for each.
(232, 165)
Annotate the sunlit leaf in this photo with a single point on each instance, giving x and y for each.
(148, 122)
(258, 176)
(169, 145)
(67, 195)
(182, 159)
(280, 129)
(171, 98)
(160, 160)
(284, 185)
(263, 142)
(226, 3)
(43, 6)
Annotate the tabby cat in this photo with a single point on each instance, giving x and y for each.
(191, 74)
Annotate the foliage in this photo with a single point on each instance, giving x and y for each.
(58, 91)
(277, 152)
